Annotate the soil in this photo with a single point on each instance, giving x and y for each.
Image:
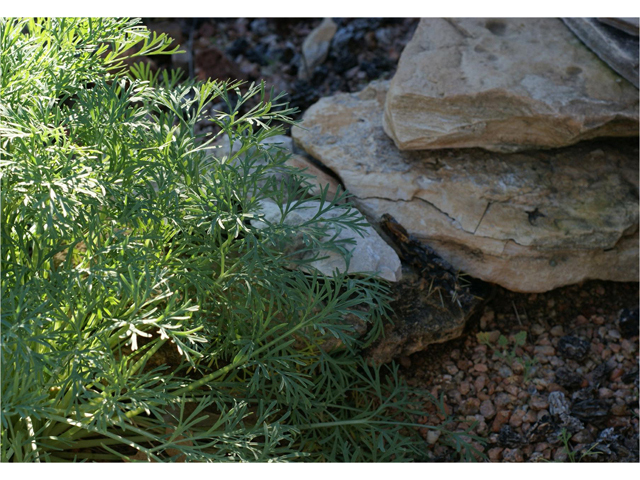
(564, 390)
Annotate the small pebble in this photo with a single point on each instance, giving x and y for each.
(557, 331)
(560, 455)
(483, 396)
(433, 436)
(628, 346)
(583, 436)
(512, 455)
(481, 367)
(502, 417)
(605, 393)
(487, 409)
(513, 390)
(494, 336)
(544, 350)
(464, 387)
(616, 374)
(543, 340)
(554, 387)
(502, 400)
(556, 362)
(487, 318)
(615, 334)
(542, 446)
(495, 454)
(581, 320)
(517, 418)
(480, 382)
(531, 416)
(537, 329)
(619, 410)
(452, 369)
(539, 402)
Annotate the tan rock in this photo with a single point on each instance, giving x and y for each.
(504, 85)
(315, 47)
(530, 222)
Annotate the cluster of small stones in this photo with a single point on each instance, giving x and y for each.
(491, 392)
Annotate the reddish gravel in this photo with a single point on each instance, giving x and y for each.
(495, 392)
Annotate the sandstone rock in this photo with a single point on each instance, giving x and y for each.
(315, 47)
(530, 222)
(618, 49)
(504, 85)
(369, 254)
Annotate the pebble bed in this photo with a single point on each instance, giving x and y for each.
(502, 393)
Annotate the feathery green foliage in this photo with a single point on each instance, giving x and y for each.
(144, 316)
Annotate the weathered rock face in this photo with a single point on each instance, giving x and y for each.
(612, 44)
(530, 221)
(504, 85)
(369, 254)
(419, 318)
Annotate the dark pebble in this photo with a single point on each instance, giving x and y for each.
(573, 347)
(508, 437)
(628, 322)
(568, 379)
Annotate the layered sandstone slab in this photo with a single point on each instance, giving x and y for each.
(504, 85)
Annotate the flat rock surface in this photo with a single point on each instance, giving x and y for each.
(504, 85)
(530, 221)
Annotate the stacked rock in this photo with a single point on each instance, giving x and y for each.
(506, 145)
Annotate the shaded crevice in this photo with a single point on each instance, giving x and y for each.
(411, 200)
(482, 217)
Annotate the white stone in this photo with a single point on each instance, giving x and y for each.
(369, 254)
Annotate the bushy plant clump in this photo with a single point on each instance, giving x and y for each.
(144, 316)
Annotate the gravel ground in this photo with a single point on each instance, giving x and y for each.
(542, 377)
(567, 391)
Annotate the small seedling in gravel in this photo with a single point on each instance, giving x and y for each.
(507, 355)
(575, 456)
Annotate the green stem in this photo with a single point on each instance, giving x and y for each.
(53, 443)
